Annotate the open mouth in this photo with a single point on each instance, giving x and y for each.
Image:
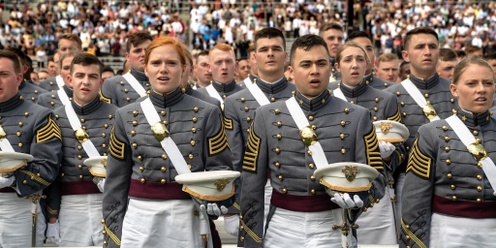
(315, 82)
(481, 100)
(163, 78)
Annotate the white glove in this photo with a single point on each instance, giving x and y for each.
(6, 181)
(386, 149)
(231, 224)
(213, 209)
(345, 201)
(53, 232)
(101, 185)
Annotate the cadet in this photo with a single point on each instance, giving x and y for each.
(26, 128)
(446, 63)
(377, 225)
(302, 213)
(222, 65)
(333, 34)
(388, 67)
(270, 86)
(125, 89)
(449, 194)
(75, 194)
(243, 69)
(61, 97)
(424, 96)
(140, 185)
(201, 70)
(68, 43)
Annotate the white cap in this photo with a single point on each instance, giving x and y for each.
(209, 185)
(391, 131)
(97, 166)
(11, 161)
(346, 176)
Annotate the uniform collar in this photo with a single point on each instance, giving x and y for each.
(425, 84)
(68, 91)
(187, 89)
(140, 76)
(224, 87)
(369, 78)
(353, 92)
(272, 88)
(23, 84)
(167, 100)
(88, 108)
(470, 121)
(313, 104)
(13, 103)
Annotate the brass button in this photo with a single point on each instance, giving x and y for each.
(479, 164)
(26, 114)
(278, 136)
(277, 164)
(445, 128)
(26, 182)
(163, 181)
(375, 118)
(426, 95)
(352, 102)
(142, 180)
(107, 125)
(341, 136)
(135, 145)
(193, 130)
(311, 166)
(192, 143)
(163, 169)
(81, 177)
(110, 117)
(446, 138)
(407, 227)
(407, 237)
(449, 175)
(162, 113)
(20, 124)
(142, 168)
(343, 123)
(135, 113)
(284, 190)
(309, 153)
(104, 232)
(346, 110)
(279, 124)
(80, 166)
(189, 166)
(195, 109)
(279, 177)
(122, 82)
(164, 156)
(476, 132)
(133, 133)
(248, 119)
(404, 114)
(243, 99)
(190, 156)
(376, 99)
(105, 242)
(479, 188)
(454, 198)
(398, 93)
(479, 177)
(314, 127)
(104, 135)
(18, 134)
(194, 119)
(312, 178)
(313, 192)
(278, 150)
(310, 118)
(20, 144)
(376, 109)
(277, 111)
(478, 200)
(140, 158)
(102, 221)
(453, 187)
(447, 149)
(402, 104)
(135, 123)
(164, 122)
(343, 150)
(246, 109)
(452, 100)
(79, 157)
(128, 99)
(82, 120)
(272, 99)
(448, 161)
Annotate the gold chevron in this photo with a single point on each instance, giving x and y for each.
(116, 147)
(419, 163)
(251, 153)
(49, 131)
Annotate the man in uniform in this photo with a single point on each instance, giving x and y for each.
(186, 85)
(201, 70)
(55, 99)
(404, 71)
(68, 43)
(125, 89)
(76, 199)
(270, 86)
(333, 35)
(424, 96)
(51, 67)
(446, 63)
(299, 204)
(141, 171)
(243, 69)
(222, 65)
(30, 129)
(388, 67)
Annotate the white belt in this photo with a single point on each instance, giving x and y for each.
(248, 81)
(64, 98)
(339, 94)
(213, 93)
(167, 143)
(417, 96)
(135, 84)
(300, 119)
(80, 133)
(469, 140)
(60, 81)
(4, 142)
(257, 93)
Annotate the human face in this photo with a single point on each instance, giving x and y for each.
(243, 69)
(388, 70)
(367, 44)
(164, 69)
(423, 54)
(68, 46)
(107, 74)
(86, 82)
(477, 53)
(352, 66)
(52, 68)
(34, 77)
(202, 71)
(334, 39)
(253, 64)
(9, 80)
(65, 71)
(475, 89)
(492, 62)
(42, 76)
(445, 69)
(404, 71)
(222, 65)
(136, 55)
(310, 70)
(270, 56)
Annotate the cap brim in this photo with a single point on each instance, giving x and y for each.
(96, 166)
(12, 161)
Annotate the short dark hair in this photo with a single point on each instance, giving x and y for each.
(330, 25)
(137, 39)
(470, 49)
(404, 63)
(86, 59)
(358, 34)
(270, 33)
(490, 56)
(108, 69)
(447, 54)
(461, 54)
(306, 42)
(419, 30)
(201, 53)
(5, 53)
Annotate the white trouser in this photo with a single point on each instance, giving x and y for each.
(16, 222)
(80, 220)
(161, 223)
(267, 195)
(376, 226)
(449, 231)
(303, 229)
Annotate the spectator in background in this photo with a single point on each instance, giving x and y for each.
(446, 63)
(491, 59)
(473, 51)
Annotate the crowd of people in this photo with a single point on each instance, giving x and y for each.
(407, 97)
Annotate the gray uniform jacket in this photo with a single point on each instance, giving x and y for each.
(242, 82)
(51, 99)
(346, 134)
(139, 167)
(435, 90)
(224, 90)
(376, 82)
(29, 91)
(74, 178)
(443, 177)
(239, 112)
(49, 84)
(31, 129)
(118, 91)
